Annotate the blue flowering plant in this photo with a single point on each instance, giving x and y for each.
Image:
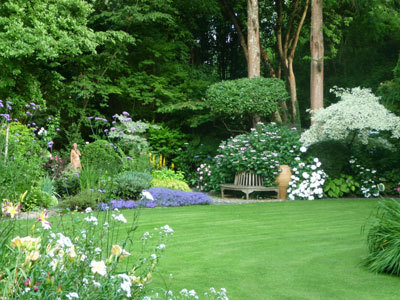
(156, 197)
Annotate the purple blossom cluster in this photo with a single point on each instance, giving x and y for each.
(162, 197)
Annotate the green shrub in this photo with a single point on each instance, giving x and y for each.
(130, 184)
(194, 153)
(138, 163)
(165, 173)
(85, 199)
(170, 183)
(338, 187)
(38, 198)
(23, 166)
(383, 239)
(246, 97)
(166, 141)
(333, 155)
(101, 155)
(68, 183)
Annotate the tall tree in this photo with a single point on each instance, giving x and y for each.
(253, 43)
(287, 39)
(317, 56)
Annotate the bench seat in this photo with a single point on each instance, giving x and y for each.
(248, 183)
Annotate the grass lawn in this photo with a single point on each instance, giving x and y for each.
(289, 250)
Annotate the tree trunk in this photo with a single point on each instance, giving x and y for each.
(292, 87)
(287, 44)
(253, 44)
(253, 39)
(317, 57)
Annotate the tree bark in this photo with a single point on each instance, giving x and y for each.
(253, 44)
(317, 57)
(253, 39)
(287, 44)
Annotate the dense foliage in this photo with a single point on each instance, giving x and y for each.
(246, 97)
(384, 239)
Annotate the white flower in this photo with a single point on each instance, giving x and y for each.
(96, 284)
(192, 293)
(305, 175)
(147, 195)
(88, 210)
(46, 225)
(126, 286)
(167, 229)
(303, 149)
(98, 267)
(72, 295)
(64, 241)
(184, 292)
(162, 246)
(91, 219)
(153, 256)
(120, 218)
(97, 250)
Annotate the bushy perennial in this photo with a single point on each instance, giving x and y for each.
(53, 265)
(260, 151)
(307, 180)
(358, 112)
(367, 179)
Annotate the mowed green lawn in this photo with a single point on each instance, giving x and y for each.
(289, 250)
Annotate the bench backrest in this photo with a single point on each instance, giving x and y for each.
(248, 179)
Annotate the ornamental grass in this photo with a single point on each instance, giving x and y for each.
(384, 239)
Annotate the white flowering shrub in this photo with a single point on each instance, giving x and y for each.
(358, 114)
(367, 179)
(307, 180)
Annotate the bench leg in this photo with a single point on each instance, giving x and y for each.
(222, 193)
(247, 195)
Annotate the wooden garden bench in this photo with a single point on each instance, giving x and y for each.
(248, 183)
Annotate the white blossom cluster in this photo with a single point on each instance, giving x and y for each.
(366, 177)
(307, 181)
(358, 112)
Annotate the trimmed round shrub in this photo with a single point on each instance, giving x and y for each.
(246, 96)
(130, 184)
(384, 239)
(101, 155)
(169, 183)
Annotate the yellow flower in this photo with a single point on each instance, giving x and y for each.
(116, 250)
(30, 243)
(124, 254)
(16, 242)
(33, 255)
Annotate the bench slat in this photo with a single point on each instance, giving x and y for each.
(247, 183)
